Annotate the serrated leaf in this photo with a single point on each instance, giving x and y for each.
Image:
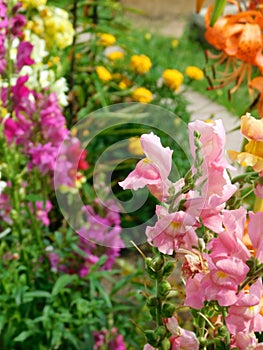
(62, 282)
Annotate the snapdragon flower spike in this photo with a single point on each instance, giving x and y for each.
(152, 171)
(214, 187)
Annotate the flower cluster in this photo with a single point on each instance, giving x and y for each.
(133, 74)
(221, 255)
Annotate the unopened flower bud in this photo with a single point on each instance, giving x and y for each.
(157, 263)
(164, 288)
(165, 345)
(150, 336)
(160, 333)
(168, 310)
(153, 302)
(168, 268)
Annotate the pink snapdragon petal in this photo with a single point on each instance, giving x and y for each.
(255, 232)
(162, 156)
(152, 171)
(171, 231)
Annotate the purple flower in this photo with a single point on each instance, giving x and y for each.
(23, 54)
(43, 157)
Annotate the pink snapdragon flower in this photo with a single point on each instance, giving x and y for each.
(116, 340)
(181, 338)
(255, 230)
(172, 230)
(42, 210)
(259, 190)
(245, 341)
(213, 140)
(229, 242)
(152, 171)
(244, 316)
(214, 186)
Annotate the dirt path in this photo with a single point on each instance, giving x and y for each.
(166, 17)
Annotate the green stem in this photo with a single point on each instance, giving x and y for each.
(244, 176)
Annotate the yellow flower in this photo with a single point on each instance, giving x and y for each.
(252, 129)
(34, 3)
(194, 73)
(106, 39)
(57, 29)
(140, 64)
(148, 36)
(175, 43)
(173, 78)
(115, 55)
(142, 95)
(103, 73)
(124, 83)
(135, 146)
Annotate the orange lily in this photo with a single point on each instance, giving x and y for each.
(239, 38)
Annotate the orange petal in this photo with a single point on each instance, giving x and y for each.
(198, 5)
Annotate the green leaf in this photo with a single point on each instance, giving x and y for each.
(29, 296)
(2, 321)
(23, 336)
(217, 11)
(62, 282)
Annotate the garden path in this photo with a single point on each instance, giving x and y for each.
(170, 17)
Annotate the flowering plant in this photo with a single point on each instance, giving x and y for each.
(208, 237)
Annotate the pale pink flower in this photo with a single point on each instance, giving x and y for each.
(221, 284)
(216, 190)
(148, 347)
(245, 341)
(244, 316)
(171, 231)
(213, 142)
(152, 171)
(194, 293)
(259, 190)
(255, 232)
(181, 338)
(229, 242)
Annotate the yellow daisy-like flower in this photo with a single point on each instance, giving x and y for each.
(34, 3)
(141, 64)
(173, 78)
(194, 73)
(103, 74)
(135, 146)
(142, 95)
(115, 55)
(106, 39)
(252, 129)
